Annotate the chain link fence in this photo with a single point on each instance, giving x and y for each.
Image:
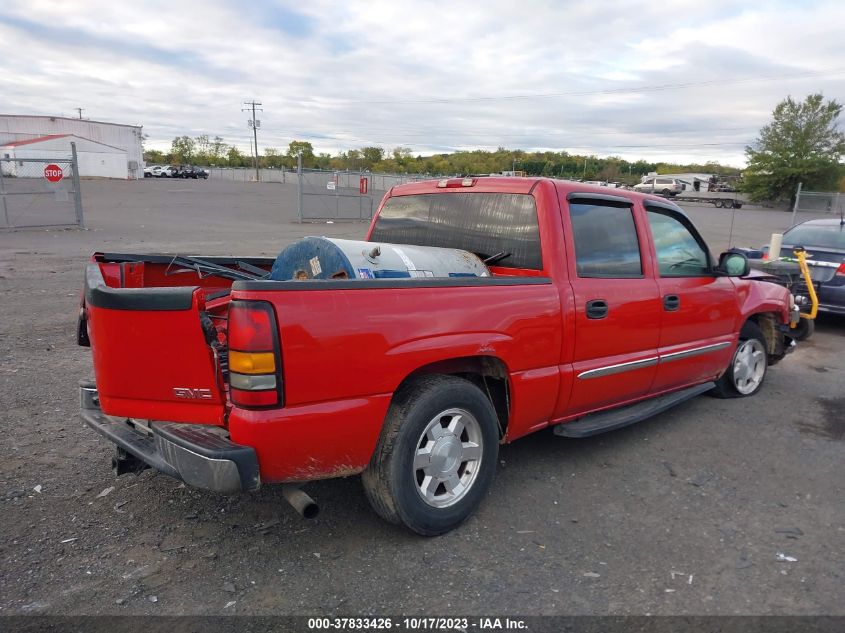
(40, 193)
(820, 202)
(243, 174)
(344, 195)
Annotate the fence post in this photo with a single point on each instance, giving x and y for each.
(299, 184)
(795, 206)
(77, 189)
(3, 195)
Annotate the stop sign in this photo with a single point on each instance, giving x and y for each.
(53, 173)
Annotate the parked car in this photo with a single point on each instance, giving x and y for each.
(188, 171)
(824, 241)
(201, 173)
(667, 187)
(167, 172)
(153, 171)
(600, 310)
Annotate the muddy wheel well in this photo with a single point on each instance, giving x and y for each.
(768, 324)
(488, 373)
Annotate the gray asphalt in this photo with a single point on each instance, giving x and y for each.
(683, 514)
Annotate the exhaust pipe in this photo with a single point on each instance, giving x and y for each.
(300, 501)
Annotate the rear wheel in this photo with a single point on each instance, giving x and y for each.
(665, 193)
(436, 456)
(745, 375)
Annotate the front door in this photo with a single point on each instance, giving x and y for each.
(699, 310)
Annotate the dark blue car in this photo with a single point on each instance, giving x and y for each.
(824, 241)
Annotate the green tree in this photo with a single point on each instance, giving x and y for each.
(295, 148)
(801, 144)
(272, 158)
(234, 157)
(216, 150)
(154, 157)
(182, 148)
(371, 156)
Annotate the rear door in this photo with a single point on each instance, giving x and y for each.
(699, 310)
(616, 302)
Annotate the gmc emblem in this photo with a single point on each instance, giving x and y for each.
(192, 394)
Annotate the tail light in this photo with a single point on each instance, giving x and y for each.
(255, 360)
(840, 272)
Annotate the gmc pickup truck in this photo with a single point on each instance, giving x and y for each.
(599, 311)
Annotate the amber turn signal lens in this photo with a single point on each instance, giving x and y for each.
(252, 362)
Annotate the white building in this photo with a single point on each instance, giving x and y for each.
(95, 159)
(125, 137)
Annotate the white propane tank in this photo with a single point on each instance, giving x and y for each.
(774, 246)
(329, 258)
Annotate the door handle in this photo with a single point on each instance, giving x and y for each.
(597, 309)
(671, 303)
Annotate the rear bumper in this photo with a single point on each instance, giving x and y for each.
(192, 453)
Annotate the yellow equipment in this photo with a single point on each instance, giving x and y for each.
(801, 255)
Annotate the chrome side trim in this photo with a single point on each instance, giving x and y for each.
(618, 369)
(694, 352)
(648, 362)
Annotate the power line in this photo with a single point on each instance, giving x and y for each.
(606, 91)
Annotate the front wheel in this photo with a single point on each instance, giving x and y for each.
(745, 375)
(436, 456)
(804, 329)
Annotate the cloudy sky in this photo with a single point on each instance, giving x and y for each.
(682, 80)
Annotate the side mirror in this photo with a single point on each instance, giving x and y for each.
(733, 264)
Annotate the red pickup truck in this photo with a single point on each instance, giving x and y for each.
(600, 310)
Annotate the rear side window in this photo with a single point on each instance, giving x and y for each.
(487, 224)
(606, 243)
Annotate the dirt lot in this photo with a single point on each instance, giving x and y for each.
(682, 514)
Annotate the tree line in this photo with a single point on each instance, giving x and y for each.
(214, 151)
(802, 143)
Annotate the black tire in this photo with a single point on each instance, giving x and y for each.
(731, 386)
(665, 193)
(804, 329)
(393, 485)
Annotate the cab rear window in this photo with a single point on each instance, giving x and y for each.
(499, 225)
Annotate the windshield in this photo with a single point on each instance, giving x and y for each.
(491, 225)
(817, 235)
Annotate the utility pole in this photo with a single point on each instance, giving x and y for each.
(80, 111)
(254, 124)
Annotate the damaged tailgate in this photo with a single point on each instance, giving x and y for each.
(154, 348)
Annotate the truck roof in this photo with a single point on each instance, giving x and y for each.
(517, 184)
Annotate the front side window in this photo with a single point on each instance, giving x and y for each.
(679, 252)
(606, 243)
(502, 226)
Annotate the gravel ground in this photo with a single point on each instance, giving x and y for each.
(686, 513)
